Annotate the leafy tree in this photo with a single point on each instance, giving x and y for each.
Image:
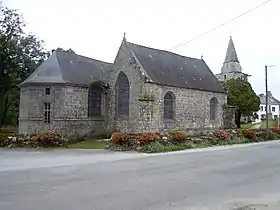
(241, 95)
(20, 54)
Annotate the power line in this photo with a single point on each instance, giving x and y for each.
(219, 26)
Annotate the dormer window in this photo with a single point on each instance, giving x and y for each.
(48, 91)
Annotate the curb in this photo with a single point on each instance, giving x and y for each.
(212, 149)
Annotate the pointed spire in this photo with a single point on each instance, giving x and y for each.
(231, 55)
(124, 38)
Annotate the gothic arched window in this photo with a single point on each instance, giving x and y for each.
(169, 106)
(122, 95)
(213, 108)
(94, 101)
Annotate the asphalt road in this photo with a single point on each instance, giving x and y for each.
(86, 180)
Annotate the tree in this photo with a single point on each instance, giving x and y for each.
(242, 96)
(20, 54)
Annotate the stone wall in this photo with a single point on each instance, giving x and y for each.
(192, 108)
(229, 117)
(69, 105)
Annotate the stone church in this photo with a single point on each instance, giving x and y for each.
(145, 89)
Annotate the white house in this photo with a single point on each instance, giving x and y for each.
(273, 108)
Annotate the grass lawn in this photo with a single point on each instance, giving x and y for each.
(271, 124)
(89, 144)
(246, 126)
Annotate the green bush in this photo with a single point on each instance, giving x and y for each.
(157, 147)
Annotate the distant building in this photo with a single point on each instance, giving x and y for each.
(231, 68)
(273, 108)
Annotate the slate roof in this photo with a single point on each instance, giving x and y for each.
(69, 68)
(168, 68)
(271, 99)
(231, 55)
(165, 68)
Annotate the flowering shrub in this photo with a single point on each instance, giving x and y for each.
(147, 137)
(119, 138)
(177, 136)
(249, 134)
(178, 140)
(45, 139)
(276, 130)
(48, 139)
(221, 134)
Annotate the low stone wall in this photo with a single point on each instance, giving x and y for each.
(229, 117)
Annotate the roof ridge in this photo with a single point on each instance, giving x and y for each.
(82, 56)
(164, 51)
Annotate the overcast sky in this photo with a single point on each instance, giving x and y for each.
(95, 28)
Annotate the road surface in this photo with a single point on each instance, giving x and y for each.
(86, 180)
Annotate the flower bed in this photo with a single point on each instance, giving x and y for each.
(45, 139)
(150, 142)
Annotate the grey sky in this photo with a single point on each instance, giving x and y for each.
(95, 29)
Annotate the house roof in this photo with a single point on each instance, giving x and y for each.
(231, 55)
(69, 68)
(171, 69)
(271, 99)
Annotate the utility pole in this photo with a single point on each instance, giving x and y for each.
(266, 103)
(266, 100)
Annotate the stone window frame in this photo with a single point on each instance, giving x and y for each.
(95, 101)
(47, 113)
(213, 113)
(169, 106)
(122, 96)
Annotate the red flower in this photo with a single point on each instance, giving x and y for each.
(119, 137)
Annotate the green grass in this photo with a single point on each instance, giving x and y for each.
(89, 144)
(246, 126)
(271, 124)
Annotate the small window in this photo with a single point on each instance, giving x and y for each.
(225, 77)
(261, 108)
(213, 108)
(169, 106)
(48, 91)
(47, 117)
(94, 101)
(273, 109)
